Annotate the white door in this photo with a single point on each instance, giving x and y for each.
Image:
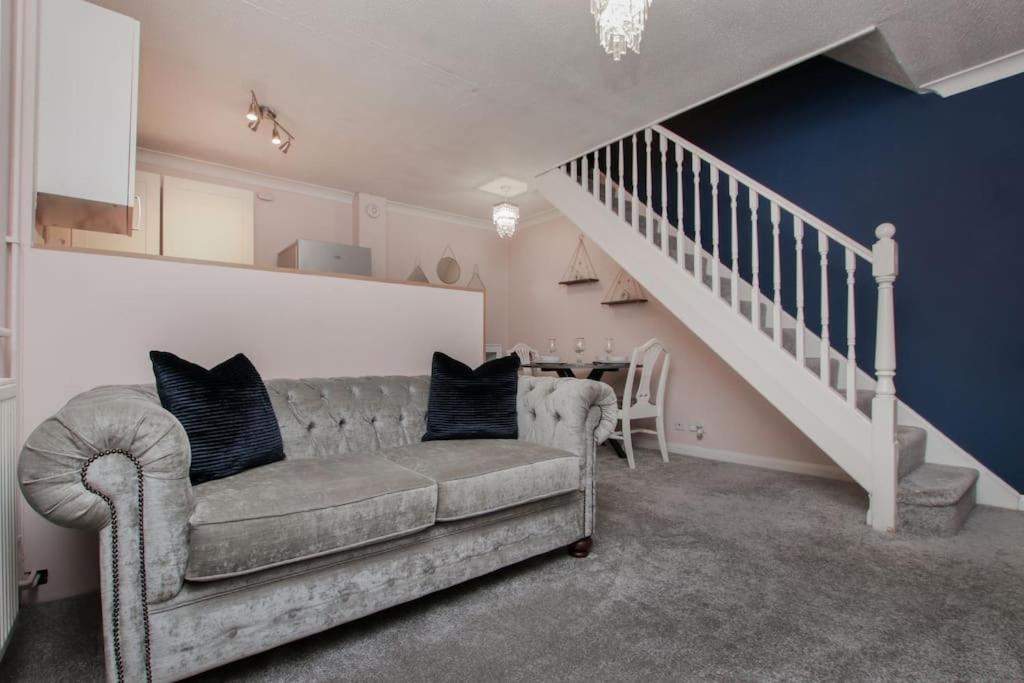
(145, 233)
(207, 222)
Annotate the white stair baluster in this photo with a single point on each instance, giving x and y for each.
(716, 281)
(755, 265)
(663, 221)
(574, 170)
(798, 235)
(680, 252)
(649, 221)
(622, 194)
(735, 236)
(585, 175)
(851, 330)
(608, 177)
(698, 250)
(776, 276)
(634, 210)
(595, 174)
(826, 347)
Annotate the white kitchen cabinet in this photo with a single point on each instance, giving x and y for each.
(206, 221)
(88, 101)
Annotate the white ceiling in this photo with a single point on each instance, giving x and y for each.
(424, 101)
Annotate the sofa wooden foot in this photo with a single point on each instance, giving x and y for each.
(581, 548)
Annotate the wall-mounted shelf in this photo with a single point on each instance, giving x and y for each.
(625, 290)
(581, 270)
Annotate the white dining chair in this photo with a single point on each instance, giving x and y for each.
(527, 354)
(644, 404)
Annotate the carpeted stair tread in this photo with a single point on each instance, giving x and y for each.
(814, 365)
(933, 485)
(910, 445)
(788, 338)
(725, 283)
(864, 398)
(745, 309)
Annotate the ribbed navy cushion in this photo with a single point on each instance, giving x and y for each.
(225, 411)
(472, 404)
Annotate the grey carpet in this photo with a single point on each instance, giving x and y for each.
(701, 570)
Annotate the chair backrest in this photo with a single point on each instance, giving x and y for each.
(526, 353)
(646, 358)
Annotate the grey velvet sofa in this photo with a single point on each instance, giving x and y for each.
(360, 515)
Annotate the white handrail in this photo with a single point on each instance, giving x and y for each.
(790, 207)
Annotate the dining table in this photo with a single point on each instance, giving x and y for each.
(595, 370)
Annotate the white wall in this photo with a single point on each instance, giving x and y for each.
(91, 319)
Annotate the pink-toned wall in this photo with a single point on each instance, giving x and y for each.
(91, 319)
(701, 387)
(422, 239)
(325, 214)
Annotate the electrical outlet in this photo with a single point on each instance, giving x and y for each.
(697, 428)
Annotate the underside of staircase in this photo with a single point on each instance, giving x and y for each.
(620, 195)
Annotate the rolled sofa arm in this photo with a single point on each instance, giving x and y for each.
(89, 459)
(571, 414)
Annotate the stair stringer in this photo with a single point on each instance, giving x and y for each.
(843, 433)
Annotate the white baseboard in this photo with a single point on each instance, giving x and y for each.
(763, 461)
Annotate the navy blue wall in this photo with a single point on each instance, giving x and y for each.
(858, 151)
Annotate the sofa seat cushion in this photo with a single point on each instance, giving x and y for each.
(296, 509)
(477, 476)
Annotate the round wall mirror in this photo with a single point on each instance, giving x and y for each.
(448, 270)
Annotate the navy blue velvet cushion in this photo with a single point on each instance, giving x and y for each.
(225, 411)
(472, 404)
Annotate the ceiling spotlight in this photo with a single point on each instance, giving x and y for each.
(253, 114)
(280, 136)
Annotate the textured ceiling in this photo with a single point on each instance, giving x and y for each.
(423, 101)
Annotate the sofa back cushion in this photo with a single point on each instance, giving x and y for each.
(327, 417)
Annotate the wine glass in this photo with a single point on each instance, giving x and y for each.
(581, 346)
(552, 346)
(609, 347)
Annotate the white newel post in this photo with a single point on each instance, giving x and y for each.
(885, 267)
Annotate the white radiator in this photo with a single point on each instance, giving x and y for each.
(8, 510)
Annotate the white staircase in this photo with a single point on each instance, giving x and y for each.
(631, 197)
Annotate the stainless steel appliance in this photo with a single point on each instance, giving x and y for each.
(326, 257)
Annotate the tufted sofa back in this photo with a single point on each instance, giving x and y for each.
(325, 417)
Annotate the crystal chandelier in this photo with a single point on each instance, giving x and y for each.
(506, 215)
(620, 24)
